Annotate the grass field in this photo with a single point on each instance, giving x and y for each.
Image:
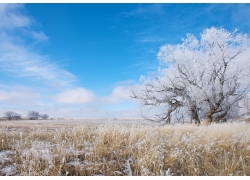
(118, 148)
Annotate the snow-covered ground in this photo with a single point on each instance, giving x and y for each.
(6, 166)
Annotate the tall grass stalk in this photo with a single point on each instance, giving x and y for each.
(115, 149)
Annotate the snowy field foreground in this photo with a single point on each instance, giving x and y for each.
(120, 148)
(72, 122)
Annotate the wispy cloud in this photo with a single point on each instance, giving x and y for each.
(19, 60)
(128, 82)
(11, 16)
(144, 66)
(39, 36)
(17, 94)
(151, 39)
(146, 10)
(240, 15)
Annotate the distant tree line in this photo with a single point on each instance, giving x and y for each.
(32, 115)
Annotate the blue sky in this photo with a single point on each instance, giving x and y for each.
(80, 60)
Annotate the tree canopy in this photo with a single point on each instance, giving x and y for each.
(199, 78)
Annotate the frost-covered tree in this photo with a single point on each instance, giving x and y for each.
(33, 115)
(17, 116)
(245, 104)
(44, 116)
(204, 77)
(10, 115)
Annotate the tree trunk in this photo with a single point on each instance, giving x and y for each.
(194, 115)
(168, 117)
(168, 121)
(196, 118)
(217, 119)
(209, 117)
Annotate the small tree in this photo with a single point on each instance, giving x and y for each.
(10, 114)
(33, 115)
(17, 116)
(44, 116)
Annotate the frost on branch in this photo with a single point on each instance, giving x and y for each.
(201, 78)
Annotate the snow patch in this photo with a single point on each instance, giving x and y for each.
(4, 156)
(9, 170)
(128, 168)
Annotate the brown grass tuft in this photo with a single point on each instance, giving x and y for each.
(115, 149)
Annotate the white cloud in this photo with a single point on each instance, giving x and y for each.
(78, 102)
(39, 36)
(123, 92)
(18, 95)
(75, 96)
(119, 93)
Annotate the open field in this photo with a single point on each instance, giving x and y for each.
(69, 122)
(123, 148)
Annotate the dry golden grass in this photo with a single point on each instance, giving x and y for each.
(115, 149)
